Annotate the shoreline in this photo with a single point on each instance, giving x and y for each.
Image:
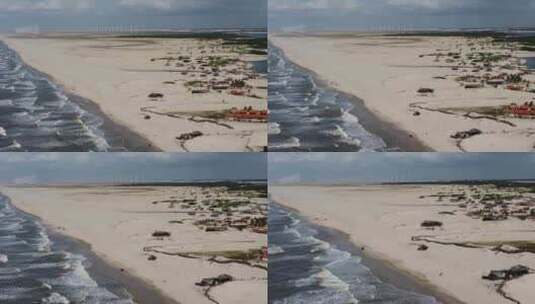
(161, 270)
(384, 269)
(99, 268)
(388, 72)
(116, 134)
(390, 133)
(102, 270)
(390, 221)
(121, 74)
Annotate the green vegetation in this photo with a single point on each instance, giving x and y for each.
(228, 204)
(528, 43)
(490, 111)
(245, 44)
(258, 52)
(491, 57)
(254, 43)
(252, 254)
(255, 46)
(473, 34)
(216, 62)
(525, 246)
(193, 83)
(181, 35)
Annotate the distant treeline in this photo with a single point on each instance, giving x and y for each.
(256, 45)
(527, 40)
(472, 34)
(181, 35)
(250, 185)
(498, 183)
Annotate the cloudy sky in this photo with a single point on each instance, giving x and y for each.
(149, 13)
(398, 167)
(129, 167)
(384, 14)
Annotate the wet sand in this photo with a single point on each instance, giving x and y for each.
(117, 135)
(106, 273)
(396, 139)
(393, 136)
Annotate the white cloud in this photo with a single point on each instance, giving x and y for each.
(428, 4)
(162, 157)
(25, 180)
(166, 5)
(27, 157)
(157, 4)
(293, 157)
(44, 5)
(364, 6)
(312, 4)
(295, 178)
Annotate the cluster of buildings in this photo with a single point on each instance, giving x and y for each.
(489, 203)
(218, 69)
(220, 209)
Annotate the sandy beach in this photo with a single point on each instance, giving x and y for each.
(174, 238)
(482, 229)
(387, 73)
(178, 94)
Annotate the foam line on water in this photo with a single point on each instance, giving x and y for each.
(316, 271)
(311, 117)
(37, 115)
(41, 273)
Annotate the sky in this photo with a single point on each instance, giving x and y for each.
(54, 168)
(395, 14)
(73, 14)
(326, 168)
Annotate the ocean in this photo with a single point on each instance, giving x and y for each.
(36, 267)
(305, 116)
(530, 62)
(37, 115)
(305, 268)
